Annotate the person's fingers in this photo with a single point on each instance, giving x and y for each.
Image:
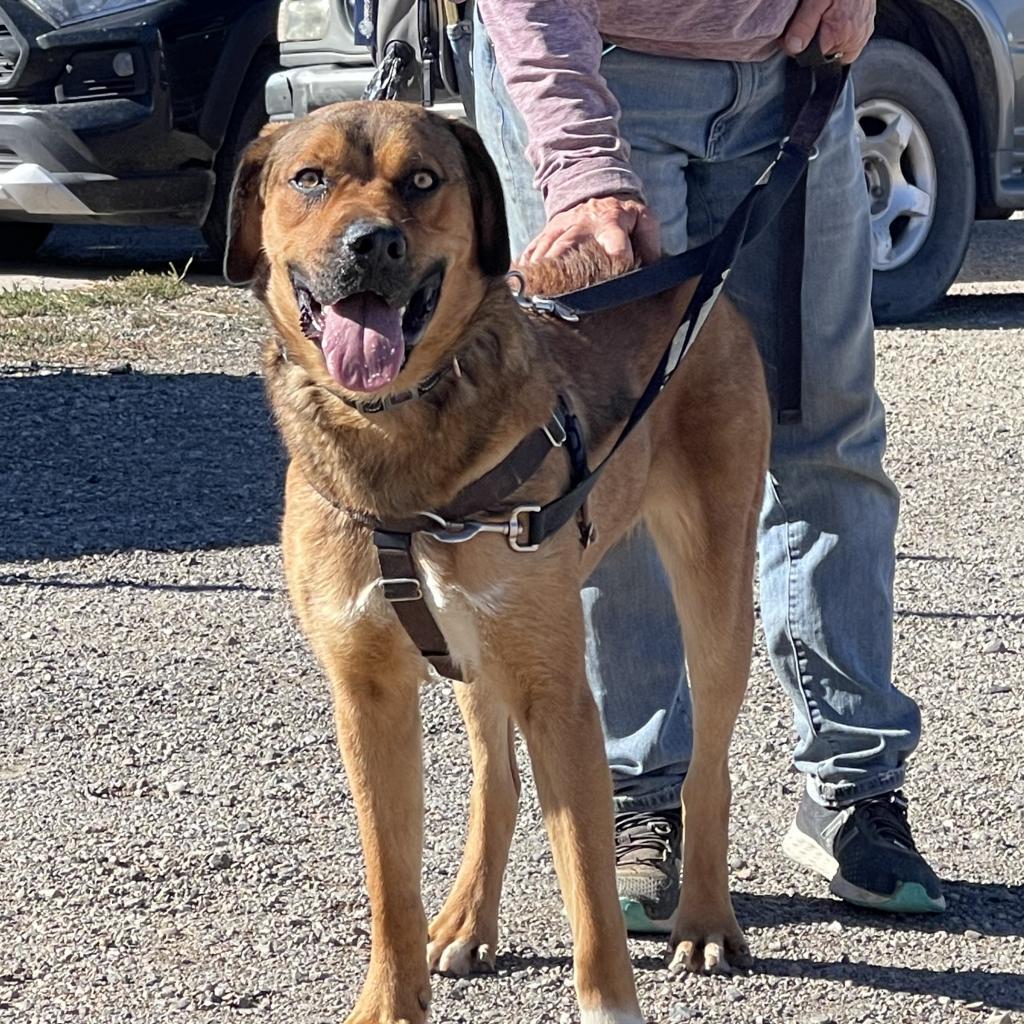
(846, 28)
(610, 221)
(613, 236)
(647, 237)
(566, 242)
(804, 24)
(539, 247)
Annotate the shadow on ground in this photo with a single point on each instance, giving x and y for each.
(975, 313)
(76, 253)
(96, 463)
(987, 908)
(993, 988)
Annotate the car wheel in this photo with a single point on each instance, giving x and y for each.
(20, 240)
(249, 117)
(919, 172)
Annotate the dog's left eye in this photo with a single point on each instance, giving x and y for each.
(308, 179)
(424, 181)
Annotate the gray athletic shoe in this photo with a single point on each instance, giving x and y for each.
(647, 862)
(867, 853)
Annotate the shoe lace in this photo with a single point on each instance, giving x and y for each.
(886, 816)
(642, 837)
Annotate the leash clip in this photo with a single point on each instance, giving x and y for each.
(538, 303)
(458, 533)
(543, 304)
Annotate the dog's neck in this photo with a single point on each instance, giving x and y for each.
(418, 455)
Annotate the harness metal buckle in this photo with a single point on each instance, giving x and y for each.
(516, 528)
(560, 431)
(401, 589)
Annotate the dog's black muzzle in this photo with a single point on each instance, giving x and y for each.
(369, 256)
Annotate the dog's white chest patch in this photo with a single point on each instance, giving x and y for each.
(367, 603)
(459, 611)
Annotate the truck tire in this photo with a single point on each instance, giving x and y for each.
(919, 172)
(19, 240)
(249, 117)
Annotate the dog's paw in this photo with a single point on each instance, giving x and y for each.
(460, 954)
(719, 949)
(369, 1015)
(463, 938)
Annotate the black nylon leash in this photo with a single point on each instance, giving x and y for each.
(757, 210)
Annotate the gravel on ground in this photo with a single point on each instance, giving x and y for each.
(177, 840)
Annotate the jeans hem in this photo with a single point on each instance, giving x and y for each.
(665, 799)
(836, 795)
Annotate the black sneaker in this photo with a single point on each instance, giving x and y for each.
(647, 868)
(867, 853)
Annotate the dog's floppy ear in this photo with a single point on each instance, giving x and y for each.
(492, 245)
(245, 211)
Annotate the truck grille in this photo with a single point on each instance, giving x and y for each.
(10, 52)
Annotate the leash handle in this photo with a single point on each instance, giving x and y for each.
(812, 56)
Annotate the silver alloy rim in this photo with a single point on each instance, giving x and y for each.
(899, 170)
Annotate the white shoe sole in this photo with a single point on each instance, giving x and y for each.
(807, 853)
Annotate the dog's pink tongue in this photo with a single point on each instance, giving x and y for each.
(362, 342)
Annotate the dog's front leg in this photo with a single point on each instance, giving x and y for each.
(537, 653)
(378, 723)
(375, 674)
(464, 935)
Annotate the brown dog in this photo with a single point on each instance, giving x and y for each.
(374, 233)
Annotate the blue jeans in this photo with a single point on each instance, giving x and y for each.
(701, 132)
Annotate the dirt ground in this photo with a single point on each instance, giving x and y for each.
(177, 841)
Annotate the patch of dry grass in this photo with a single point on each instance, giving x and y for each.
(156, 322)
(116, 292)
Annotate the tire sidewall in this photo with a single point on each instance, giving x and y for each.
(896, 72)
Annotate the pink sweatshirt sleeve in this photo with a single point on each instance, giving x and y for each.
(549, 53)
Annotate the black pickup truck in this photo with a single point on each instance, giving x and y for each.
(126, 111)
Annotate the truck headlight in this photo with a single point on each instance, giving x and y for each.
(303, 19)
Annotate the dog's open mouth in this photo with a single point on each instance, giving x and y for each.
(365, 342)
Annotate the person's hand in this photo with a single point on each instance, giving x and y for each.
(845, 27)
(622, 226)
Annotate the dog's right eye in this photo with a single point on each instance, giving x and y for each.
(309, 179)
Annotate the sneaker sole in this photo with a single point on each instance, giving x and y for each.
(638, 923)
(909, 898)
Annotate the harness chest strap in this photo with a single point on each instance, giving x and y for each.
(399, 577)
(401, 585)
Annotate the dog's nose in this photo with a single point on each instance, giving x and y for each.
(374, 243)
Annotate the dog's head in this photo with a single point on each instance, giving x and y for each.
(372, 231)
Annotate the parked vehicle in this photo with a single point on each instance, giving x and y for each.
(940, 109)
(126, 111)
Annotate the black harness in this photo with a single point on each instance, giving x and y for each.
(813, 88)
